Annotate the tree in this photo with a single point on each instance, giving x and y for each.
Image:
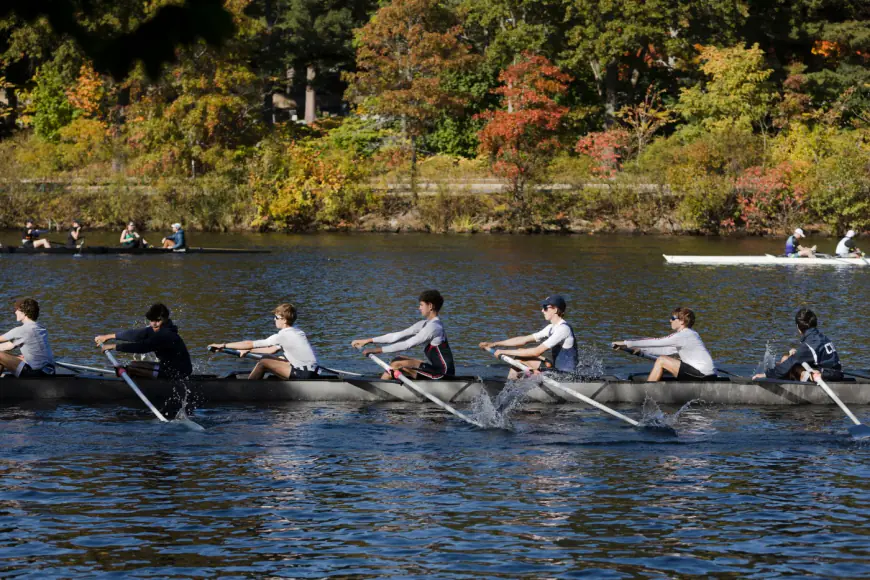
(520, 137)
(402, 56)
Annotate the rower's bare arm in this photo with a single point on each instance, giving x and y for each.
(266, 349)
(515, 341)
(361, 342)
(240, 345)
(6, 345)
(526, 352)
(101, 338)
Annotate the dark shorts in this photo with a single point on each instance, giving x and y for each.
(690, 373)
(27, 244)
(302, 373)
(27, 371)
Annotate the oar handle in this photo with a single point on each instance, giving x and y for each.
(122, 372)
(830, 392)
(634, 352)
(557, 385)
(251, 355)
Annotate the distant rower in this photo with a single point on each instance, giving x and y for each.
(430, 331)
(301, 362)
(815, 349)
(74, 237)
(30, 236)
(130, 238)
(31, 338)
(160, 337)
(694, 362)
(175, 240)
(557, 351)
(795, 250)
(846, 248)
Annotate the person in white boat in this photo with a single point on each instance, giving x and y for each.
(301, 361)
(795, 250)
(31, 339)
(429, 331)
(846, 248)
(557, 349)
(694, 362)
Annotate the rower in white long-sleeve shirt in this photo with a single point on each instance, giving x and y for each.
(429, 331)
(695, 362)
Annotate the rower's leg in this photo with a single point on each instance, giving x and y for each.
(41, 244)
(532, 363)
(405, 364)
(276, 367)
(663, 363)
(168, 243)
(9, 362)
(143, 368)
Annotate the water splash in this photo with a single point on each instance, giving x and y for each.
(769, 359)
(590, 366)
(496, 414)
(652, 417)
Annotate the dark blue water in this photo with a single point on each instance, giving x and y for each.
(393, 490)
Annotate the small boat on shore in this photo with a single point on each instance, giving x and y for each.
(121, 250)
(212, 389)
(765, 260)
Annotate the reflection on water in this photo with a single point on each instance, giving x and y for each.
(401, 490)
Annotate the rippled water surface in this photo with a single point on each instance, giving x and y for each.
(378, 490)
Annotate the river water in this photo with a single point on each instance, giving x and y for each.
(393, 490)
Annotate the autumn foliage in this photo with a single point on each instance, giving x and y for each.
(521, 137)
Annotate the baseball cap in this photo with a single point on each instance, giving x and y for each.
(176, 226)
(555, 300)
(850, 234)
(800, 233)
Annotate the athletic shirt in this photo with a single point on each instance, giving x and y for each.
(70, 240)
(686, 343)
(790, 246)
(846, 246)
(294, 343)
(166, 344)
(559, 338)
(29, 235)
(128, 236)
(32, 340)
(428, 332)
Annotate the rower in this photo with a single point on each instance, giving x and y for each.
(557, 349)
(130, 238)
(160, 337)
(429, 331)
(846, 248)
(795, 250)
(694, 362)
(301, 361)
(815, 349)
(175, 240)
(74, 237)
(36, 359)
(30, 236)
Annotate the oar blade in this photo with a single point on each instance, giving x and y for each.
(860, 431)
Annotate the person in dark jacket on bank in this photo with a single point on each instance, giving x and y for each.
(160, 337)
(815, 349)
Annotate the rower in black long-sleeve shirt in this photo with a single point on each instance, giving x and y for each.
(815, 349)
(160, 337)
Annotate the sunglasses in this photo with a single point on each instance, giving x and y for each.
(674, 318)
(547, 307)
(279, 317)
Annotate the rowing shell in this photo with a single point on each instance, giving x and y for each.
(120, 250)
(206, 389)
(766, 260)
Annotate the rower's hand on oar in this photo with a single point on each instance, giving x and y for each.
(242, 353)
(101, 338)
(369, 351)
(105, 347)
(618, 344)
(360, 342)
(757, 376)
(215, 346)
(486, 345)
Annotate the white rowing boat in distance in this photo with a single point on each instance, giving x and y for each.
(765, 260)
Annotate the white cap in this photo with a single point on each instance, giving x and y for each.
(800, 233)
(850, 234)
(176, 226)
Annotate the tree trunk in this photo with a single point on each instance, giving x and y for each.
(310, 95)
(12, 103)
(611, 78)
(414, 198)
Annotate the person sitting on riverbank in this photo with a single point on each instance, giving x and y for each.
(31, 339)
(160, 337)
(130, 238)
(557, 349)
(429, 331)
(846, 248)
(815, 349)
(74, 237)
(694, 362)
(301, 361)
(175, 240)
(30, 236)
(795, 250)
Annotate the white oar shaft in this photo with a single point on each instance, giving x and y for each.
(831, 394)
(557, 385)
(413, 386)
(71, 366)
(123, 372)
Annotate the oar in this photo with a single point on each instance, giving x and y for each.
(557, 385)
(73, 367)
(854, 374)
(858, 430)
(413, 386)
(122, 372)
(258, 356)
(641, 354)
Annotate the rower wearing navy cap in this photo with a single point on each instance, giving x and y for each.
(795, 250)
(429, 331)
(557, 337)
(30, 237)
